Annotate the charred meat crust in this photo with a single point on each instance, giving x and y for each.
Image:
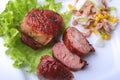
(70, 43)
(45, 21)
(30, 42)
(53, 70)
(43, 26)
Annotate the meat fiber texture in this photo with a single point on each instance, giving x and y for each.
(76, 42)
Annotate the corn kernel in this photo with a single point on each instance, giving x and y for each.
(100, 16)
(95, 31)
(106, 37)
(95, 23)
(97, 18)
(106, 16)
(102, 36)
(113, 19)
(70, 6)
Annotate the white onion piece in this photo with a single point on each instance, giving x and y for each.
(112, 25)
(98, 4)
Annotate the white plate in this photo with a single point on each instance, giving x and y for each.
(104, 64)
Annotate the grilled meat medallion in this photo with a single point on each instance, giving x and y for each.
(69, 59)
(76, 42)
(39, 27)
(50, 69)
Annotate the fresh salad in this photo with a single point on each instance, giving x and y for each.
(10, 20)
(95, 16)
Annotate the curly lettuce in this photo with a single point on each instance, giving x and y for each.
(10, 20)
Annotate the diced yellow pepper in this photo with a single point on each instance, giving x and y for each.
(70, 6)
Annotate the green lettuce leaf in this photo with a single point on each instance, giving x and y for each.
(66, 17)
(51, 5)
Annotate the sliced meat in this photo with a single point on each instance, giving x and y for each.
(99, 26)
(76, 42)
(49, 69)
(72, 61)
(41, 25)
(76, 13)
(107, 28)
(104, 3)
(88, 9)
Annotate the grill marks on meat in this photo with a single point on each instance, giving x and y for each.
(72, 61)
(76, 42)
(41, 25)
(49, 69)
(45, 21)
